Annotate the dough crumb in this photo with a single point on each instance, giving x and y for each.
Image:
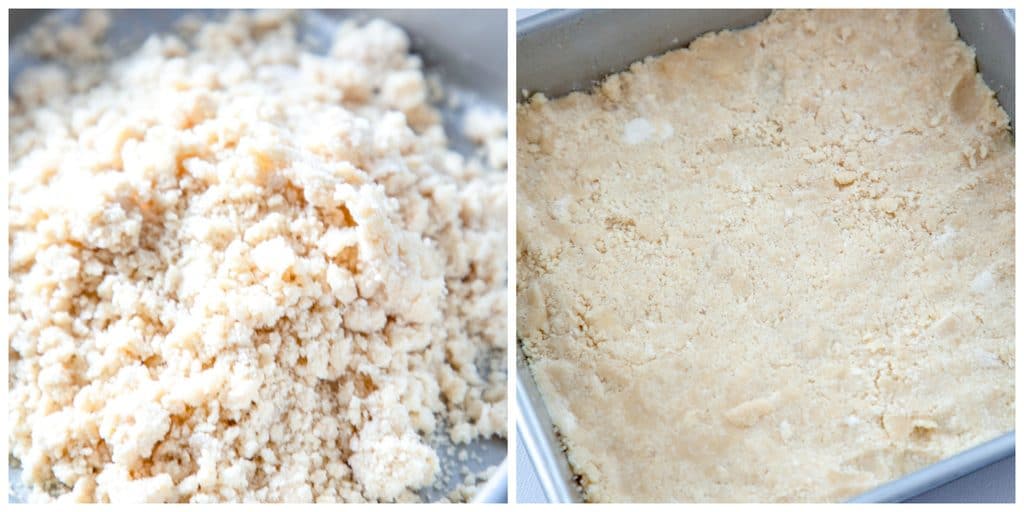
(637, 130)
(242, 271)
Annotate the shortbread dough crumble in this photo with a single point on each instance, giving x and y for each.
(242, 271)
(776, 265)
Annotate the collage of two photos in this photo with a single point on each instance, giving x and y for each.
(511, 256)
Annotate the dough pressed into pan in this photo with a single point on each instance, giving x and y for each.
(776, 265)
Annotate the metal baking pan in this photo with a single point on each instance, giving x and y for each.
(561, 51)
(465, 48)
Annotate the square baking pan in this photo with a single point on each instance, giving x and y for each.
(561, 51)
(465, 48)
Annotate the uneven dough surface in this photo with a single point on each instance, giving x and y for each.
(242, 271)
(776, 265)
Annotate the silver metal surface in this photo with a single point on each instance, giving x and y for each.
(465, 48)
(941, 472)
(560, 51)
(537, 433)
(991, 32)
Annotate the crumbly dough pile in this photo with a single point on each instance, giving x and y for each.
(243, 271)
(776, 265)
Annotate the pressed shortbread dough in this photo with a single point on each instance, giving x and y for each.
(776, 265)
(242, 271)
